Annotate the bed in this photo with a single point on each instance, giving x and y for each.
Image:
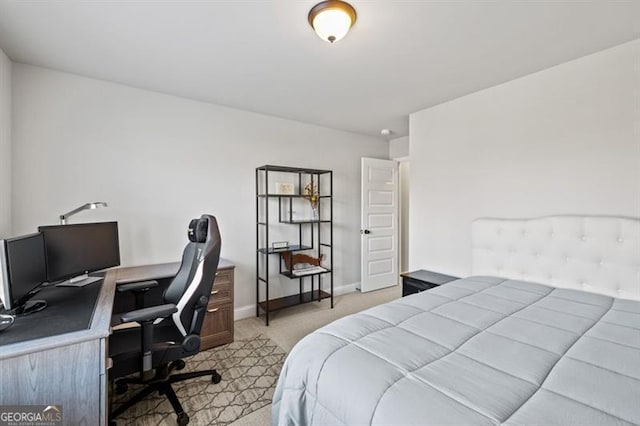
(546, 331)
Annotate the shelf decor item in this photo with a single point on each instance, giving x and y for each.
(315, 237)
(293, 260)
(280, 245)
(312, 195)
(285, 188)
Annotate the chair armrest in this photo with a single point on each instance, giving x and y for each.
(146, 318)
(137, 286)
(149, 314)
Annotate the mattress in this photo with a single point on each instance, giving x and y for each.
(476, 351)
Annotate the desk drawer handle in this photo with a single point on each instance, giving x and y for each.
(215, 292)
(212, 310)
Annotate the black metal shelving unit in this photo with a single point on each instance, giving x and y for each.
(312, 227)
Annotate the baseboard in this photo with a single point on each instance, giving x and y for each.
(347, 288)
(248, 311)
(244, 312)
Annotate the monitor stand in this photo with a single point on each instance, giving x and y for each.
(79, 281)
(29, 308)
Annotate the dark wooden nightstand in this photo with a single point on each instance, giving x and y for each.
(421, 280)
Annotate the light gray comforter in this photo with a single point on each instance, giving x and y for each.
(476, 351)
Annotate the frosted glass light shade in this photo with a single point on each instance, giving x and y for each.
(331, 20)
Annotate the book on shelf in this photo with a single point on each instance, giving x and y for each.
(308, 271)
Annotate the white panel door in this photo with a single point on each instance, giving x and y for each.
(379, 224)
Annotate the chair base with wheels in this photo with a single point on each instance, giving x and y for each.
(161, 383)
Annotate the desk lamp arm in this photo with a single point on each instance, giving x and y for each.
(88, 206)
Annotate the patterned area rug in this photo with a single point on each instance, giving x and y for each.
(249, 369)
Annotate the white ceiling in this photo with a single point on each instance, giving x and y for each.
(400, 57)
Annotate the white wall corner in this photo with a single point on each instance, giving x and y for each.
(6, 224)
(399, 148)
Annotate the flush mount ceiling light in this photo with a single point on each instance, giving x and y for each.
(332, 19)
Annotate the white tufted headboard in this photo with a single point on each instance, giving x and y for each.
(592, 253)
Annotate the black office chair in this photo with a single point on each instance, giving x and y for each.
(168, 332)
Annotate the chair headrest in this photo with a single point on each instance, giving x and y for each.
(198, 229)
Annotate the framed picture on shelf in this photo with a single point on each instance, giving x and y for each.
(285, 188)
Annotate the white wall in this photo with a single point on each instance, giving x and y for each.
(5, 145)
(399, 150)
(399, 147)
(160, 160)
(563, 140)
(405, 176)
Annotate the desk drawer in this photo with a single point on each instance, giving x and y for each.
(222, 288)
(224, 276)
(217, 328)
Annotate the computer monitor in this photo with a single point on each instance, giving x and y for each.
(73, 251)
(22, 271)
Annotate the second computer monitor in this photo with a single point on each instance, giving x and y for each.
(73, 250)
(22, 269)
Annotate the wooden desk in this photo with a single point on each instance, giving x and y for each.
(70, 369)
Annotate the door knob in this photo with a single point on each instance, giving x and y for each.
(365, 231)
